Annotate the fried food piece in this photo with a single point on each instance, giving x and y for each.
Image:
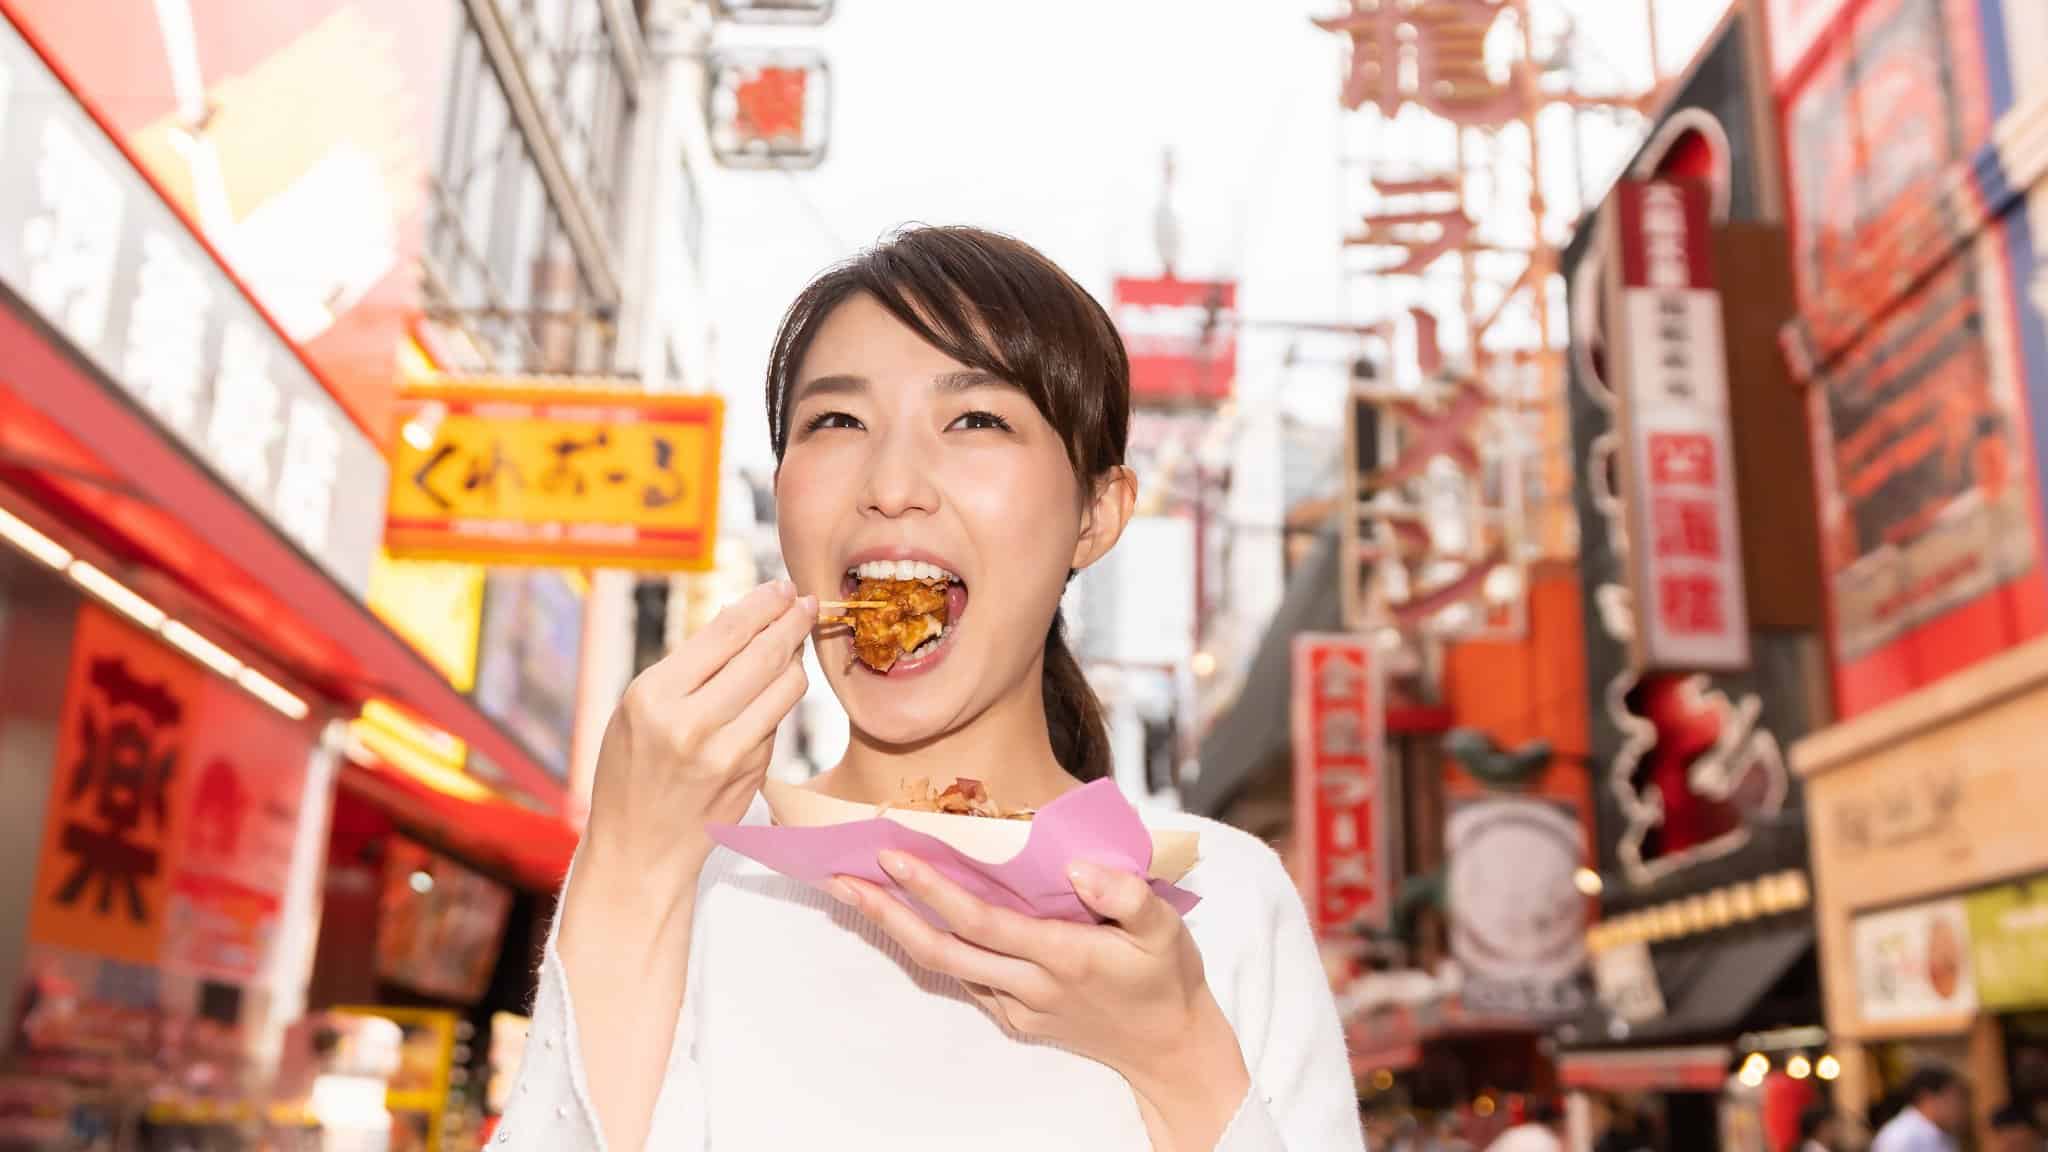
(963, 797)
(912, 612)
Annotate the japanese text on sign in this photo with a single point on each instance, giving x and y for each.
(112, 826)
(1429, 54)
(1685, 553)
(1341, 813)
(88, 243)
(504, 476)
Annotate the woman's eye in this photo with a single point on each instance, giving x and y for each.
(981, 421)
(825, 420)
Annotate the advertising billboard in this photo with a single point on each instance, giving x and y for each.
(317, 204)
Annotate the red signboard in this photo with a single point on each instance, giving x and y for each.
(1671, 377)
(1917, 342)
(248, 776)
(318, 204)
(1181, 337)
(1341, 798)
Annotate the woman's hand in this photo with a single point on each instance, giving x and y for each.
(686, 747)
(690, 741)
(1129, 994)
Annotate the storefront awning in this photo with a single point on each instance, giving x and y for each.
(1255, 727)
(528, 847)
(77, 447)
(1712, 985)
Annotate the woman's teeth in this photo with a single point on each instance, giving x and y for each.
(901, 570)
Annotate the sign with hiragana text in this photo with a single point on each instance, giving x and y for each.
(1671, 380)
(1340, 785)
(122, 770)
(567, 477)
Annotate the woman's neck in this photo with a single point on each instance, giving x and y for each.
(1007, 748)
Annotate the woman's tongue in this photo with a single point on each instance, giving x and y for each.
(956, 601)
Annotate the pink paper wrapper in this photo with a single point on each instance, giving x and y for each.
(1093, 823)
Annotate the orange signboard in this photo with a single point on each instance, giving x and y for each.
(503, 474)
(110, 833)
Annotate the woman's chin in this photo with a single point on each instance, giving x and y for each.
(895, 714)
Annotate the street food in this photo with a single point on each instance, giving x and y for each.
(892, 618)
(963, 797)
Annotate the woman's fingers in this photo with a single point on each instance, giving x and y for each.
(756, 666)
(1128, 900)
(729, 633)
(758, 721)
(943, 952)
(1042, 942)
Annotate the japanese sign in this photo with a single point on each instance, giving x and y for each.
(1341, 792)
(122, 770)
(1913, 964)
(1671, 383)
(1918, 342)
(1517, 921)
(247, 766)
(93, 248)
(504, 475)
(532, 660)
(770, 109)
(318, 204)
(2009, 943)
(1430, 54)
(1182, 339)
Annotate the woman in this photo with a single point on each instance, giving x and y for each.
(949, 398)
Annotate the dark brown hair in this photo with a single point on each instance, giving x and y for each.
(997, 305)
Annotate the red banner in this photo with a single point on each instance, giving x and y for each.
(248, 774)
(1671, 376)
(1341, 799)
(1181, 337)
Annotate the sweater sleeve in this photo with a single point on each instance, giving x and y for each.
(1302, 1097)
(550, 1109)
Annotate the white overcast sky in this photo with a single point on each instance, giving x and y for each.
(1047, 119)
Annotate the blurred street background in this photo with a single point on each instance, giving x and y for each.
(1591, 521)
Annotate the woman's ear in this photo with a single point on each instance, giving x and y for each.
(1104, 517)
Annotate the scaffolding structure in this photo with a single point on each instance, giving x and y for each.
(1457, 477)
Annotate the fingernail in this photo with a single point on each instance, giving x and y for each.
(843, 892)
(785, 587)
(810, 603)
(1086, 877)
(895, 864)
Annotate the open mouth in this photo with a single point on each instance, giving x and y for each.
(911, 609)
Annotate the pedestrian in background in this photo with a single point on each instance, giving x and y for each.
(1820, 1130)
(2012, 1130)
(1936, 1112)
(1539, 1133)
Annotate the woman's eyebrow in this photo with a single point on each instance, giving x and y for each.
(841, 385)
(970, 381)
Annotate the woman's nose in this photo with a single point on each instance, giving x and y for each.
(899, 480)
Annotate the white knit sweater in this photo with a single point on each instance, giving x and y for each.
(803, 1028)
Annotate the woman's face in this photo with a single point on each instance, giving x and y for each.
(898, 453)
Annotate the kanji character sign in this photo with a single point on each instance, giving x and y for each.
(115, 804)
(1432, 54)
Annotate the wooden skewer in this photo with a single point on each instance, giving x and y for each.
(853, 603)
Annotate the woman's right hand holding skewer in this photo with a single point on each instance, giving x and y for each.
(686, 748)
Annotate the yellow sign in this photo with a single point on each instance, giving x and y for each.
(505, 474)
(437, 608)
